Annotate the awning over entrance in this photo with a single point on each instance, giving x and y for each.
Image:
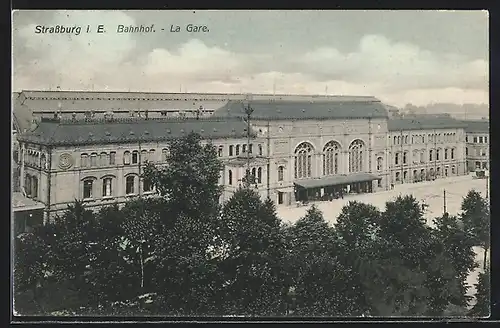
(337, 180)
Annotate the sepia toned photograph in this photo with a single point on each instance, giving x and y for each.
(271, 164)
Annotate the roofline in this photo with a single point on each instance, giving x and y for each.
(123, 141)
(426, 128)
(190, 93)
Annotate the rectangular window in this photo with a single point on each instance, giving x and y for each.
(93, 160)
(87, 189)
(129, 185)
(250, 148)
(485, 139)
(231, 147)
(112, 158)
(475, 140)
(480, 139)
(466, 139)
(135, 157)
(106, 187)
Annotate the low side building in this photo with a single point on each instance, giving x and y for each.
(27, 213)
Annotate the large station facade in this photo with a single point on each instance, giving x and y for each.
(300, 149)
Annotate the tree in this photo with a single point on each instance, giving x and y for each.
(254, 282)
(317, 275)
(407, 255)
(358, 229)
(189, 222)
(483, 291)
(457, 248)
(30, 265)
(476, 220)
(73, 248)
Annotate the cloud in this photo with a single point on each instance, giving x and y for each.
(396, 66)
(395, 72)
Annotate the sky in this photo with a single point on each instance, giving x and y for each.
(400, 57)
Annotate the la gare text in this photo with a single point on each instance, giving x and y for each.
(191, 28)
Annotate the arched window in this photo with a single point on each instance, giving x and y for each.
(437, 154)
(144, 156)
(398, 176)
(431, 154)
(453, 169)
(406, 139)
(452, 153)
(395, 141)
(126, 158)
(416, 156)
(399, 140)
(221, 149)
(303, 160)
(260, 149)
(446, 153)
(405, 157)
(396, 158)
(422, 156)
(237, 150)
(331, 158)
(84, 158)
(356, 156)
(151, 155)
(130, 185)
(254, 175)
(380, 163)
(88, 186)
(104, 159)
(93, 159)
(135, 157)
(281, 172)
(259, 175)
(231, 147)
(230, 177)
(107, 187)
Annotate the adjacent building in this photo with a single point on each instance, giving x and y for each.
(477, 145)
(308, 148)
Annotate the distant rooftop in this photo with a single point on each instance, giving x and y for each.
(130, 130)
(424, 122)
(335, 108)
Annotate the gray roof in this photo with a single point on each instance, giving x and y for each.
(336, 180)
(21, 114)
(479, 126)
(322, 109)
(423, 122)
(130, 130)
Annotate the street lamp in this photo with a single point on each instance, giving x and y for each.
(249, 179)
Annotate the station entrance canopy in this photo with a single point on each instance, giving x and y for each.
(336, 180)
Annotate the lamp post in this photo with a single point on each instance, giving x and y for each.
(249, 179)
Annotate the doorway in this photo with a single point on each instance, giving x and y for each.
(280, 197)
